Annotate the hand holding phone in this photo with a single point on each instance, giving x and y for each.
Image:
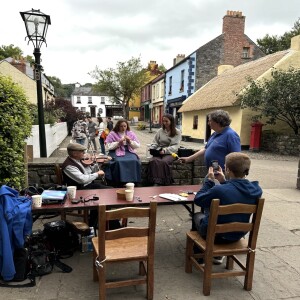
(215, 166)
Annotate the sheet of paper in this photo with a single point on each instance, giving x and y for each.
(172, 197)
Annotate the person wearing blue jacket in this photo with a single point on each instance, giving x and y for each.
(15, 225)
(237, 189)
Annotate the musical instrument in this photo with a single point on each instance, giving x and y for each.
(93, 159)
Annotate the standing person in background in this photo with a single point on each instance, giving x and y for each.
(223, 141)
(101, 139)
(92, 131)
(79, 131)
(166, 140)
(125, 165)
(110, 124)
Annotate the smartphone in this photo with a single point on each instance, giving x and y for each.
(215, 165)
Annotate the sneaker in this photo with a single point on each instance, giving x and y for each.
(200, 261)
(218, 260)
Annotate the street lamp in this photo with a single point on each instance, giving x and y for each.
(36, 24)
(150, 117)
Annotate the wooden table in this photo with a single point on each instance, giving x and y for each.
(142, 197)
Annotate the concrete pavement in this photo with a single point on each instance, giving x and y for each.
(277, 266)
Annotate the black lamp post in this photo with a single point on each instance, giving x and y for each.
(36, 24)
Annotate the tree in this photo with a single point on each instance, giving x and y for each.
(10, 51)
(15, 127)
(70, 114)
(61, 90)
(122, 83)
(271, 44)
(275, 99)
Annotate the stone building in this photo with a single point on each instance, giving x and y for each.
(232, 47)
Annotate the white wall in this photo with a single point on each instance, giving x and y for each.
(54, 136)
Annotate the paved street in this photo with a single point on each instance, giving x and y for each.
(277, 267)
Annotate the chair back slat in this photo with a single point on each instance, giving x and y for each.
(234, 227)
(126, 232)
(127, 212)
(237, 208)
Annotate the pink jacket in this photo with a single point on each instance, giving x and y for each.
(115, 137)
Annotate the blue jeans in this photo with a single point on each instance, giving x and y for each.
(101, 141)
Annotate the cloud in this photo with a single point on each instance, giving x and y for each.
(86, 33)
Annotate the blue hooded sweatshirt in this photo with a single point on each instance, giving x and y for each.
(229, 192)
(15, 225)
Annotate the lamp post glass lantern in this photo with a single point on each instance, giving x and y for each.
(36, 24)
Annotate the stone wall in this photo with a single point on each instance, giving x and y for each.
(280, 144)
(43, 174)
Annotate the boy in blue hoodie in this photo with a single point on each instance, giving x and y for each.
(237, 189)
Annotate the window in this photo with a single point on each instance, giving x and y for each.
(102, 100)
(78, 100)
(246, 52)
(157, 91)
(90, 100)
(153, 92)
(162, 89)
(170, 85)
(195, 122)
(83, 109)
(182, 81)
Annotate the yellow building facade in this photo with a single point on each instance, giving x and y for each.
(28, 85)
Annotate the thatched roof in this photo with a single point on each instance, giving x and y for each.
(221, 91)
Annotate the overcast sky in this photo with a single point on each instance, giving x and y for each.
(88, 33)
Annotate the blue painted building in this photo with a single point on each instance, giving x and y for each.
(179, 84)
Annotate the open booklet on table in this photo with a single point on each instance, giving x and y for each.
(172, 197)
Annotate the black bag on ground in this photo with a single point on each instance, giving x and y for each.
(21, 264)
(42, 257)
(22, 278)
(41, 262)
(62, 237)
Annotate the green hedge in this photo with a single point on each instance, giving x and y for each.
(15, 127)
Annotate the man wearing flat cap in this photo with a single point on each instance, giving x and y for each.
(80, 175)
(76, 173)
(83, 176)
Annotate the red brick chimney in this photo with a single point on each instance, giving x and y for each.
(19, 64)
(237, 47)
(234, 23)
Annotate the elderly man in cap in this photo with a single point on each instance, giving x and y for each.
(83, 176)
(76, 173)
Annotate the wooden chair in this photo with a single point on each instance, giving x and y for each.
(60, 180)
(210, 250)
(123, 245)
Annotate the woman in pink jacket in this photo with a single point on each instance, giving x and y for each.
(125, 165)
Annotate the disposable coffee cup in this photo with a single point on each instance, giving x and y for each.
(72, 191)
(37, 200)
(129, 186)
(129, 195)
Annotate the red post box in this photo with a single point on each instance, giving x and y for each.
(256, 129)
